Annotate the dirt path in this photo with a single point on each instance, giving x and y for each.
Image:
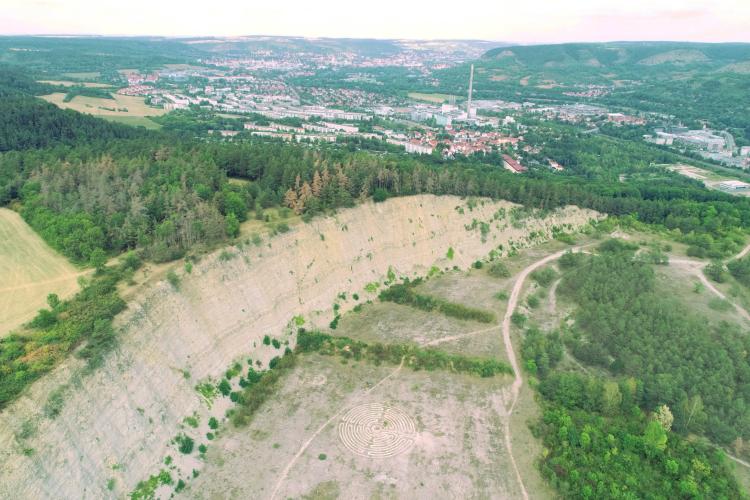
(695, 267)
(738, 460)
(518, 381)
(742, 253)
(307, 443)
(460, 336)
(64, 277)
(553, 296)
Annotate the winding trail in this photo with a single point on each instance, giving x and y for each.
(696, 268)
(306, 444)
(518, 381)
(742, 253)
(459, 337)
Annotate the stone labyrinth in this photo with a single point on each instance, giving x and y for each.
(375, 430)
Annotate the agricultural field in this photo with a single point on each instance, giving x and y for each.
(120, 106)
(30, 270)
(90, 75)
(134, 121)
(70, 83)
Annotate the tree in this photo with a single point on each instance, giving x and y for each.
(98, 259)
(654, 437)
(291, 200)
(612, 398)
(664, 416)
(232, 226)
(53, 301)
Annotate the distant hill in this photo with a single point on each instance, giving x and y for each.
(617, 56)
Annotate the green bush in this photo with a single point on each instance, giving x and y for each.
(740, 269)
(173, 279)
(379, 195)
(184, 444)
(261, 388)
(414, 356)
(404, 294)
(499, 270)
(716, 272)
(544, 277)
(224, 387)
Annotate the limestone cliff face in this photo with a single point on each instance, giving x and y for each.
(118, 421)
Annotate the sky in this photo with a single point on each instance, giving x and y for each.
(521, 21)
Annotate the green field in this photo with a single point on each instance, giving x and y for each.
(69, 83)
(134, 121)
(30, 270)
(83, 76)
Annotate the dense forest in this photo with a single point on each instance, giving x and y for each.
(625, 324)
(670, 376)
(165, 192)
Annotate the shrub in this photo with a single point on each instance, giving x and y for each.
(478, 264)
(224, 387)
(282, 227)
(266, 340)
(544, 277)
(131, 261)
(570, 260)
(518, 319)
(499, 270)
(716, 272)
(173, 279)
(414, 356)
(322, 456)
(404, 294)
(379, 195)
(740, 269)
(232, 225)
(184, 444)
(276, 343)
(533, 301)
(226, 255)
(213, 423)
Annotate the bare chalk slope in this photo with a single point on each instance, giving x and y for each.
(118, 421)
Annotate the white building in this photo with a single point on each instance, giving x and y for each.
(733, 185)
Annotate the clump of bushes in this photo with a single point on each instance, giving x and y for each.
(404, 294)
(498, 270)
(185, 444)
(544, 277)
(414, 356)
(716, 272)
(260, 387)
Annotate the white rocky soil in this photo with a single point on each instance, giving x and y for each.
(118, 421)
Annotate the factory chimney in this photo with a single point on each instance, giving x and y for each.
(471, 86)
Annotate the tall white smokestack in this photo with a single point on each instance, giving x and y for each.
(471, 86)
